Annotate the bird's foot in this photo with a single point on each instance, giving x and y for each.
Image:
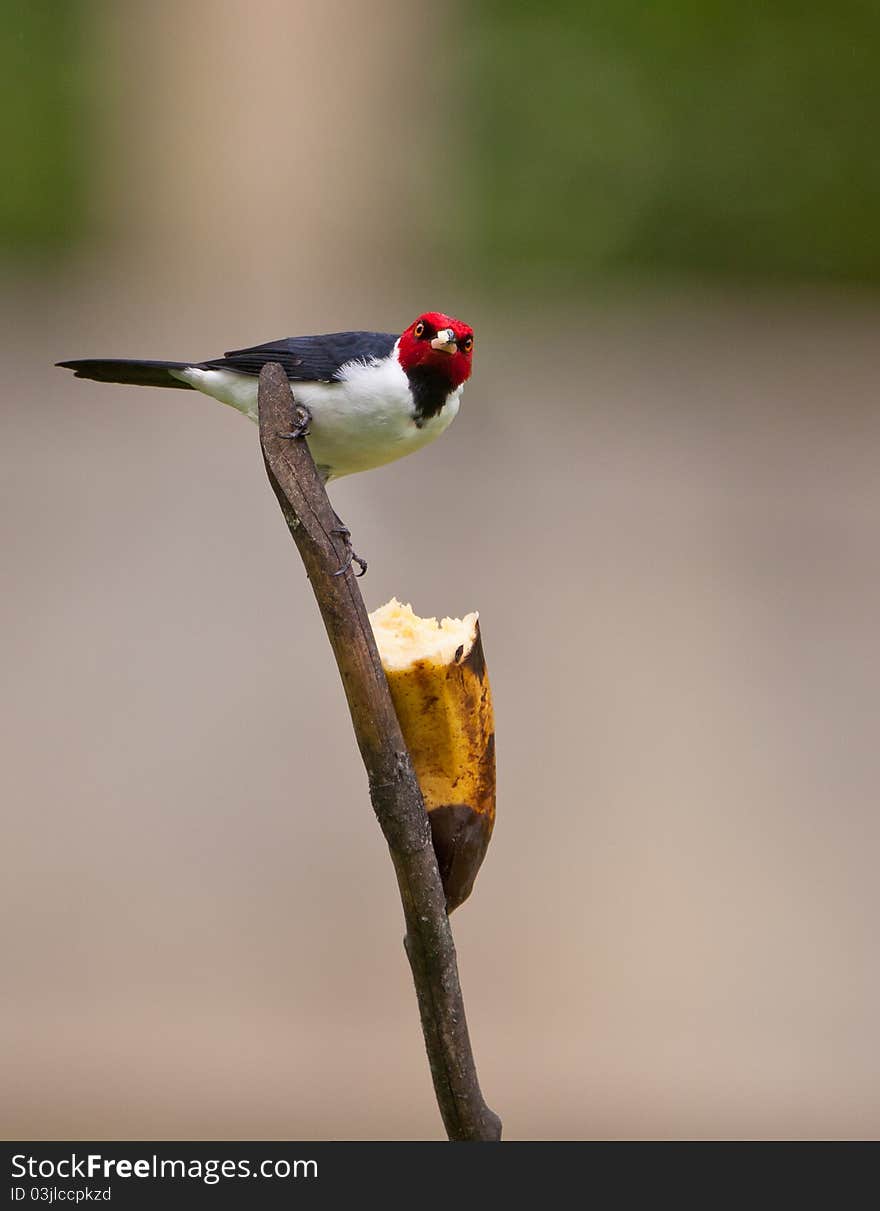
(350, 556)
(302, 418)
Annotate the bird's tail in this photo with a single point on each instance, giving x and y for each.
(118, 370)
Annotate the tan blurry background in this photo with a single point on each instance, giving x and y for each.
(662, 499)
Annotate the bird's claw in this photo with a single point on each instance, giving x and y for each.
(302, 418)
(350, 556)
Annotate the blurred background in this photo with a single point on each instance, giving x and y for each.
(661, 494)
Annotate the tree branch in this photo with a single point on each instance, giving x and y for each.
(394, 789)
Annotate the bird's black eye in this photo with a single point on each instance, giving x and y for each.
(419, 330)
(468, 344)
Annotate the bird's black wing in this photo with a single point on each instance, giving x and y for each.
(308, 359)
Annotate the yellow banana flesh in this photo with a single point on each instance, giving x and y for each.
(440, 688)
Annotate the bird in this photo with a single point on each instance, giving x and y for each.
(365, 399)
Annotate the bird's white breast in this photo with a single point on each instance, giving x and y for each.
(363, 420)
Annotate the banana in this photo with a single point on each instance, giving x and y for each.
(440, 689)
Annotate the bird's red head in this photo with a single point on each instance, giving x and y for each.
(438, 343)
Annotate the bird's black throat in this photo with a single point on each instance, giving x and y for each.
(430, 389)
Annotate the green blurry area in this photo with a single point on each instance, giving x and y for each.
(706, 137)
(711, 137)
(43, 84)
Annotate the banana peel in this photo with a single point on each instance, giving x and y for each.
(441, 694)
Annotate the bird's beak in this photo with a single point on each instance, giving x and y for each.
(444, 341)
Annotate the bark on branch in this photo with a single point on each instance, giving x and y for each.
(394, 789)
